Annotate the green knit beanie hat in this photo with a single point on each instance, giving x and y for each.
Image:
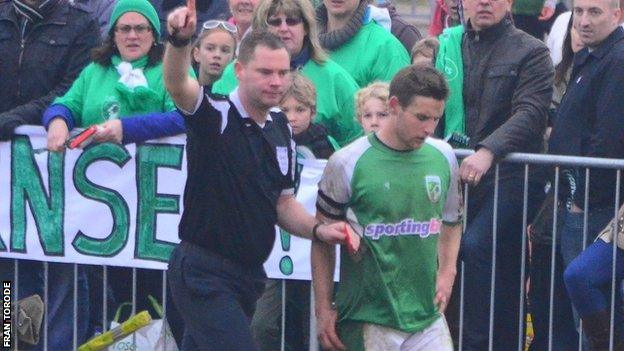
(140, 6)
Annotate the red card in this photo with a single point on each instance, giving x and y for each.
(348, 238)
(82, 139)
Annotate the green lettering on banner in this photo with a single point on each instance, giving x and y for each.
(116, 240)
(286, 265)
(149, 158)
(27, 187)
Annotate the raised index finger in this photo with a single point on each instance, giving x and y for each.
(190, 5)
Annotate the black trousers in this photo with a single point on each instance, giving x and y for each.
(216, 298)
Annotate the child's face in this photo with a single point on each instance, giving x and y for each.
(216, 50)
(374, 115)
(299, 115)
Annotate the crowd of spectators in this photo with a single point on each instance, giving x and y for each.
(525, 76)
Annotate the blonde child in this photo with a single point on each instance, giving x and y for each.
(371, 106)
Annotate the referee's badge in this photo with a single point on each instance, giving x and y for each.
(434, 188)
(282, 158)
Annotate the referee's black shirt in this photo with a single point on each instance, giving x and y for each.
(237, 170)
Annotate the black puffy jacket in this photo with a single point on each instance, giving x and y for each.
(43, 64)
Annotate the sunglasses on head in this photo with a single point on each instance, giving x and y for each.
(212, 24)
(290, 21)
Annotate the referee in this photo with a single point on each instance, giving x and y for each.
(240, 184)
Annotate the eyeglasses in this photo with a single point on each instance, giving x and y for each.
(290, 21)
(212, 24)
(138, 29)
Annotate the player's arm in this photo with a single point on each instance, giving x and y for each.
(450, 234)
(183, 89)
(331, 206)
(323, 261)
(293, 218)
(448, 248)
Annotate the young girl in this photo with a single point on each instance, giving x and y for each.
(214, 49)
(371, 106)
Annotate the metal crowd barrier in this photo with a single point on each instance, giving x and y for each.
(527, 160)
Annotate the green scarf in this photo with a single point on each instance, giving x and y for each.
(449, 62)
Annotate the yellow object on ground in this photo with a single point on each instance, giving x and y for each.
(128, 327)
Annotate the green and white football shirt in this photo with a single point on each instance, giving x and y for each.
(397, 201)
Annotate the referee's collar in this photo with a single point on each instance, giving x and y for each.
(235, 98)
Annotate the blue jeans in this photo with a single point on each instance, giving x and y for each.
(570, 237)
(476, 253)
(216, 298)
(588, 279)
(60, 302)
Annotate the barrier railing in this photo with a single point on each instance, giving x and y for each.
(528, 160)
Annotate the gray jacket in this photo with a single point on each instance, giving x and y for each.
(508, 85)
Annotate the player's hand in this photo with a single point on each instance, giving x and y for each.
(182, 21)
(444, 288)
(474, 167)
(326, 329)
(58, 133)
(111, 131)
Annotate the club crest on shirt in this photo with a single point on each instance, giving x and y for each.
(110, 109)
(282, 158)
(434, 188)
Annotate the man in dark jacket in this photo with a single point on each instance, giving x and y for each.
(507, 86)
(589, 123)
(44, 45)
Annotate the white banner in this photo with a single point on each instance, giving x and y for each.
(116, 205)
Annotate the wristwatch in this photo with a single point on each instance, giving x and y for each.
(314, 231)
(177, 42)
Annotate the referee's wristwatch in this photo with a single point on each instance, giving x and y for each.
(177, 42)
